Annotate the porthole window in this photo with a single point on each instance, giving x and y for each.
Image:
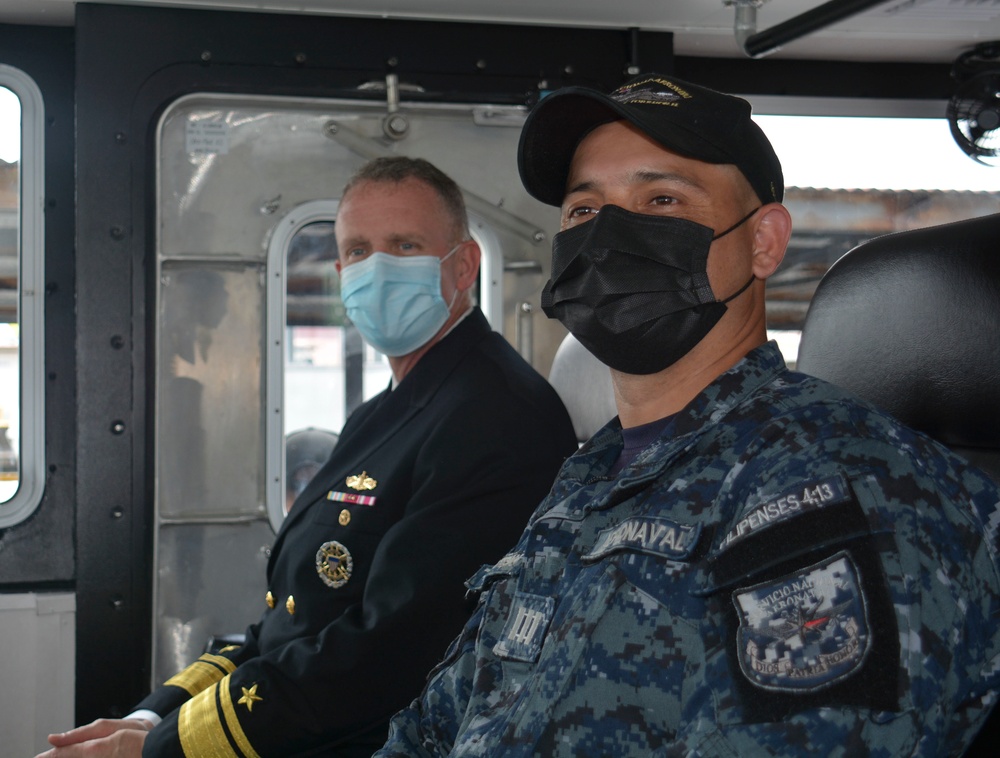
(22, 463)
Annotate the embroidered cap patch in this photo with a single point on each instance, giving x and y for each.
(804, 631)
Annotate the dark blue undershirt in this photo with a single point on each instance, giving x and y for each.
(637, 439)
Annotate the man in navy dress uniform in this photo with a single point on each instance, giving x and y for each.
(430, 479)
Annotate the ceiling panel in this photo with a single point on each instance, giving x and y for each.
(905, 30)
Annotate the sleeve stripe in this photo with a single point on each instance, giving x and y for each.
(202, 732)
(202, 674)
(233, 721)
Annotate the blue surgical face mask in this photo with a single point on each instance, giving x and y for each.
(395, 301)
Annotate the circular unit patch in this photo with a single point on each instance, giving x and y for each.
(334, 564)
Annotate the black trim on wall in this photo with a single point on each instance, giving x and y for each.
(805, 78)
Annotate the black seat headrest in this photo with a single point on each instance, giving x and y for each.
(911, 322)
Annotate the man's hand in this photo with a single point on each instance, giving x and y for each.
(104, 738)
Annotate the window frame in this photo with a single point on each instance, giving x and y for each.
(31, 299)
(274, 393)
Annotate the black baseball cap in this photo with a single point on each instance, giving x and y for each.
(691, 120)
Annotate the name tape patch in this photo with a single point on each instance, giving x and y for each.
(805, 631)
(804, 498)
(657, 536)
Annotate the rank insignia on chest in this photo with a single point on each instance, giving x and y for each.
(804, 631)
(334, 564)
(350, 497)
(361, 482)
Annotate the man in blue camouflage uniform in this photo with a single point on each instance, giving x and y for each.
(748, 561)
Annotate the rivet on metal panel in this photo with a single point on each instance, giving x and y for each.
(117, 512)
(117, 427)
(395, 126)
(120, 138)
(117, 232)
(206, 56)
(117, 341)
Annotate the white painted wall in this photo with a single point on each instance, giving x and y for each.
(37, 669)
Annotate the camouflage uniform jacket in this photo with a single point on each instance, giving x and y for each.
(785, 570)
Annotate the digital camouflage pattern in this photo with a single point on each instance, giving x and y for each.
(786, 570)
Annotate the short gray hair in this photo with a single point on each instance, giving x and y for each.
(398, 168)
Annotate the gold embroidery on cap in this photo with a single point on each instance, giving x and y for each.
(269, 599)
(361, 482)
(290, 605)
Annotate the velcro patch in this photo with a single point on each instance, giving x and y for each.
(806, 497)
(804, 631)
(657, 536)
(524, 632)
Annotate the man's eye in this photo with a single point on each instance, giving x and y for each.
(406, 246)
(664, 200)
(356, 252)
(582, 211)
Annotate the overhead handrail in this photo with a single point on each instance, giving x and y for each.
(758, 44)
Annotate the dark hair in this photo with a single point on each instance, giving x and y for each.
(399, 168)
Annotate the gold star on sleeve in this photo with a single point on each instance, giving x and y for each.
(250, 697)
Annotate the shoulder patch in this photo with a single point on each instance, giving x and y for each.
(804, 631)
(805, 497)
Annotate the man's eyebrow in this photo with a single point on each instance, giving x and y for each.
(640, 176)
(646, 176)
(399, 237)
(350, 242)
(581, 187)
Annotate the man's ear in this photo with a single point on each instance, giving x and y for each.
(772, 230)
(467, 268)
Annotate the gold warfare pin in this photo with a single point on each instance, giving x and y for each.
(361, 482)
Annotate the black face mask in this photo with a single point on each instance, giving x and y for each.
(634, 288)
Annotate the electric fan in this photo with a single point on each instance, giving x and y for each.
(974, 109)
